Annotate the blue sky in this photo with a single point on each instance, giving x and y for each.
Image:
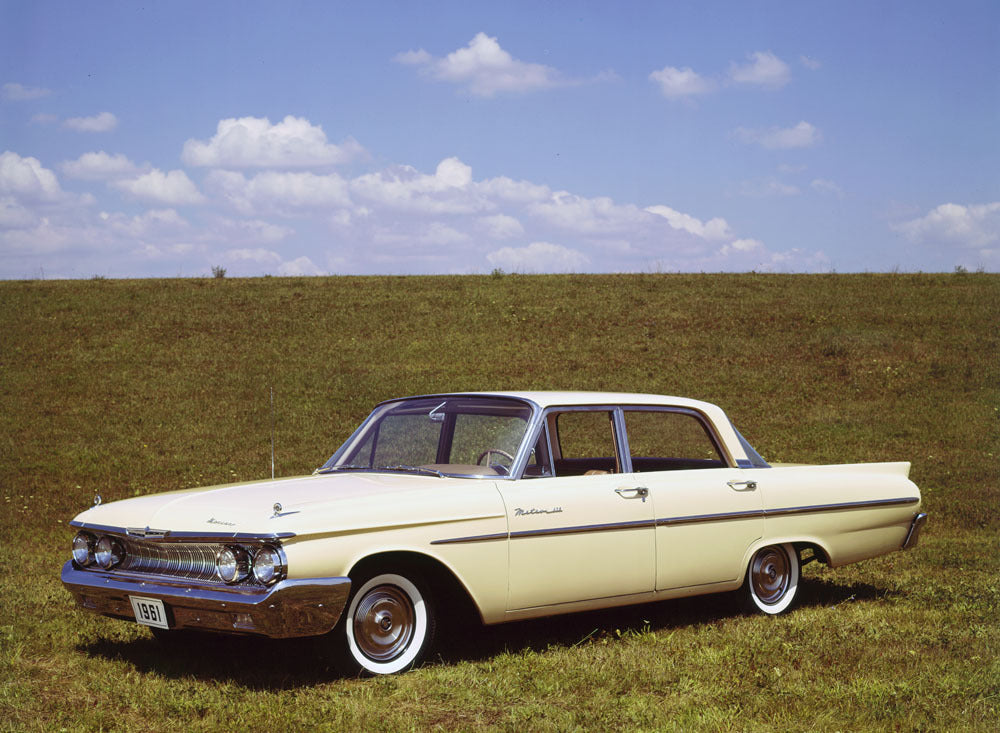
(164, 139)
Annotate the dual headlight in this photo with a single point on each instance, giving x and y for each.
(233, 563)
(107, 552)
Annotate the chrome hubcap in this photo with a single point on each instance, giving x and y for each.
(384, 623)
(769, 574)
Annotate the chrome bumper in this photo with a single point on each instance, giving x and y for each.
(289, 608)
(914, 534)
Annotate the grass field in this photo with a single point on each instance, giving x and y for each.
(129, 387)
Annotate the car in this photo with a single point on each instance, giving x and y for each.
(519, 505)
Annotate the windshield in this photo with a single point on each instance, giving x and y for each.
(460, 435)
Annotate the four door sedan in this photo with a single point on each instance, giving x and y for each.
(522, 504)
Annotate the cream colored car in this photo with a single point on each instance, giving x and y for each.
(524, 504)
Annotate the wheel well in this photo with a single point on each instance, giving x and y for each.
(450, 594)
(809, 551)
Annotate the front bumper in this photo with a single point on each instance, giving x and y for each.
(289, 608)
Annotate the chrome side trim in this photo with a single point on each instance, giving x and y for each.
(290, 608)
(153, 535)
(688, 519)
(915, 528)
(814, 508)
(697, 518)
(474, 538)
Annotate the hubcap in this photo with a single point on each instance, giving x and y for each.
(384, 623)
(769, 575)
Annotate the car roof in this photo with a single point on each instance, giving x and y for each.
(553, 398)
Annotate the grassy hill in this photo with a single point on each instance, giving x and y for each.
(128, 387)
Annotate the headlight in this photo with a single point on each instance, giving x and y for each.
(83, 549)
(232, 564)
(108, 552)
(268, 564)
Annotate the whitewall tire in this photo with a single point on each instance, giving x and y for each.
(772, 579)
(389, 624)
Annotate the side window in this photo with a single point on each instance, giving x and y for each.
(661, 440)
(586, 443)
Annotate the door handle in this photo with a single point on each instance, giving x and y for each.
(633, 492)
(742, 485)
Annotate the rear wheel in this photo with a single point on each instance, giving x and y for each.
(772, 579)
(388, 625)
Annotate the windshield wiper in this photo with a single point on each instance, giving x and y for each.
(343, 467)
(410, 469)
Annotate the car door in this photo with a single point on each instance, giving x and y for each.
(584, 529)
(707, 513)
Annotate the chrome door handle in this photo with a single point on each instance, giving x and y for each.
(747, 485)
(636, 492)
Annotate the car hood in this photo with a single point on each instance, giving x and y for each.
(308, 504)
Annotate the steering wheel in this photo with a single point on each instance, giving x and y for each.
(496, 466)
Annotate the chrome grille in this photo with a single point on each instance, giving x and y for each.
(190, 560)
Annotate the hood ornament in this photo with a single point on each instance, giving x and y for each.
(97, 499)
(277, 509)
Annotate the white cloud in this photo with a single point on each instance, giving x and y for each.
(539, 257)
(742, 246)
(100, 166)
(822, 185)
(173, 188)
(449, 191)
(802, 135)
(300, 266)
(27, 178)
(763, 69)
(258, 256)
(501, 226)
(15, 216)
(681, 83)
(767, 187)
(103, 122)
(713, 229)
(253, 142)
(972, 226)
(590, 216)
(14, 92)
(484, 68)
(278, 193)
(151, 223)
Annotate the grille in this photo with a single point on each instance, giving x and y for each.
(193, 561)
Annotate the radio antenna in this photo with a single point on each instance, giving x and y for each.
(272, 431)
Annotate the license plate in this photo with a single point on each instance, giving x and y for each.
(149, 612)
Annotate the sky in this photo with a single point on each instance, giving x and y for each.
(307, 138)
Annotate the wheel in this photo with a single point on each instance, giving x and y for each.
(389, 624)
(772, 579)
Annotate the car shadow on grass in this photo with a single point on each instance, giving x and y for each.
(267, 664)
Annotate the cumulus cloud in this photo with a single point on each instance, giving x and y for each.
(713, 229)
(448, 191)
(14, 92)
(681, 83)
(100, 166)
(253, 142)
(501, 226)
(970, 226)
(27, 179)
(802, 135)
(742, 246)
(173, 188)
(275, 192)
(103, 122)
(300, 266)
(484, 68)
(762, 69)
(539, 257)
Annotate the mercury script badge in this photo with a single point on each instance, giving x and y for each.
(519, 512)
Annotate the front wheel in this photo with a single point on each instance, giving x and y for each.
(389, 624)
(772, 579)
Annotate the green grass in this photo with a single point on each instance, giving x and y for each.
(129, 387)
